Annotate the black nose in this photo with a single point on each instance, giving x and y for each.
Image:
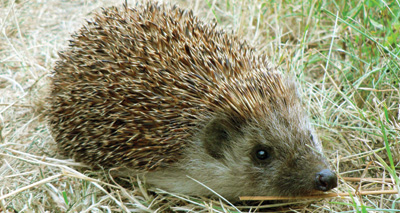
(325, 180)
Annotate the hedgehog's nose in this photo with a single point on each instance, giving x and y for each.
(325, 180)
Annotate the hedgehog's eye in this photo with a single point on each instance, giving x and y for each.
(262, 154)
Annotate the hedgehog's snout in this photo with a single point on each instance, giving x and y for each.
(325, 180)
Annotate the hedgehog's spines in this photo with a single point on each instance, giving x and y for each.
(170, 68)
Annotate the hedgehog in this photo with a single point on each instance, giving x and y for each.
(154, 91)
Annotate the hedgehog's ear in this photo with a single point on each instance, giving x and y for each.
(216, 136)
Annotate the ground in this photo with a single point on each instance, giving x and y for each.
(344, 55)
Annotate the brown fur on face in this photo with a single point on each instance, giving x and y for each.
(155, 90)
(231, 167)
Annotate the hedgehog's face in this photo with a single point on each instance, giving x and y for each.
(268, 156)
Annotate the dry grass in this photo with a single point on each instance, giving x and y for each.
(345, 55)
